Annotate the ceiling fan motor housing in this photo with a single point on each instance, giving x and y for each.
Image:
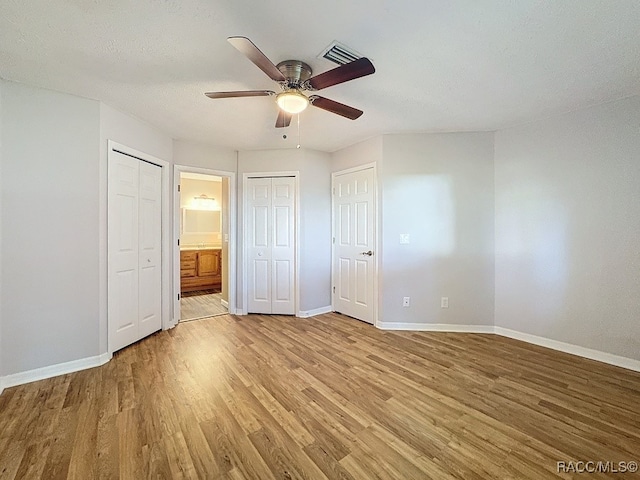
(295, 71)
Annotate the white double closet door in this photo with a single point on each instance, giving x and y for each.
(134, 250)
(271, 245)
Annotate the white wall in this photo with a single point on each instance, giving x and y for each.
(315, 216)
(50, 217)
(1, 152)
(368, 151)
(438, 188)
(204, 156)
(315, 231)
(568, 228)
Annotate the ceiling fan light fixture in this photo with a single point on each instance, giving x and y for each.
(292, 101)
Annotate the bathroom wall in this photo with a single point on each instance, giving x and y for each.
(189, 189)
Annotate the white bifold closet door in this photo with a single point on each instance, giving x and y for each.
(134, 250)
(271, 249)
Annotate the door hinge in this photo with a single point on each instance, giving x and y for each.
(334, 240)
(178, 187)
(178, 296)
(334, 289)
(178, 242)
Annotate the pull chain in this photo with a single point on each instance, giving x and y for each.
(298, 146)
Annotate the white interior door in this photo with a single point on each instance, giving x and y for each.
(271, 246)
(134, 250)
(354, 243)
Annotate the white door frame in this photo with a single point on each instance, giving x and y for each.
(166, 230)
(376, 229)
(296, 236)
(232, 276)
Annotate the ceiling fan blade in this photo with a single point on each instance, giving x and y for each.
(335, 107)
(284, 119)
(349, 71)
(253, 53)
(243, 93)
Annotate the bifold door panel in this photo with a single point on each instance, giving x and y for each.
(271, 248)
(134, 250)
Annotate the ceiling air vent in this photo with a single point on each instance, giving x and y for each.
(339, 53)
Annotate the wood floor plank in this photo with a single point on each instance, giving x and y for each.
(85, 443)
(13, 455)
(231, 447)
(327, 463)
(285, 460)
(33, 461)
(107, 447)
(130, 451)
(395, 464)
(197, 446)
(61, 449)
(277, 397)
(178, 457)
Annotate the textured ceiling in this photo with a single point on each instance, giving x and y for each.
(445, 65)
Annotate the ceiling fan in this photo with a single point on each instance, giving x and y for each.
(294, 77)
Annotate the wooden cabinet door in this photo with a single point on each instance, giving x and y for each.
(208, 263)
(218, 262)
(188, 264)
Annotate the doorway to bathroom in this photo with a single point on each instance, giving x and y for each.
(204, 234)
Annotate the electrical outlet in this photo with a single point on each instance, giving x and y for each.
(444, 302)
(406, 301)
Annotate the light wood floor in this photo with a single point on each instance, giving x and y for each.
(201, 304)
(264, 397)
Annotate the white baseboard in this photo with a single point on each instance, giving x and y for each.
(224, 303)
(53, 370)
(610, 358)
(435, 327)
(314, 312)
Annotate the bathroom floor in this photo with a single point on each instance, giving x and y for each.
(201, 304)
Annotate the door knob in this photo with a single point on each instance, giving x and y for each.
(368, 254)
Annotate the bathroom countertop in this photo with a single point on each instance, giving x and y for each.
(187, 248)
